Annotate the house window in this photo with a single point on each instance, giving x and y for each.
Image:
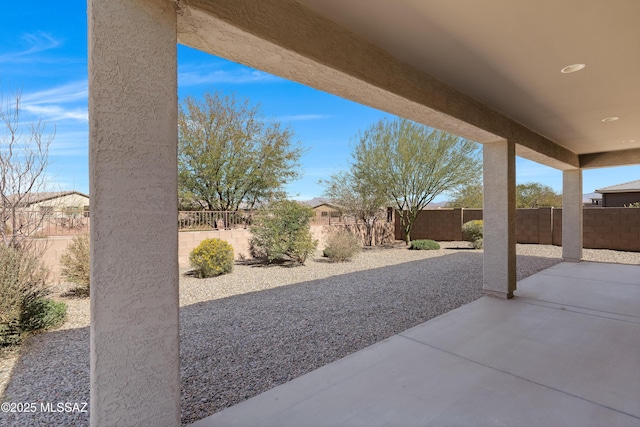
(324, 213)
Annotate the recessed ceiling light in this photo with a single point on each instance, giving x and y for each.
(610, 119)
(628, 141)
(572, 68)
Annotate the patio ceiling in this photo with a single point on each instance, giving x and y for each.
(509, 55)
(505, 55)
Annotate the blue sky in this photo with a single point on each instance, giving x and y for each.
(44, 55)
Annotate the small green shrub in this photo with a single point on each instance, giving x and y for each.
(75, 262)
(342, 245)
(472, 230)
(43, 313)
(478, 244)
(212, 257)
(281, 232)
(23, 307)
(424, 244)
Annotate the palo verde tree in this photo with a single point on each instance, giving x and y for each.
(467, 196)
(24, 157)
(529, 195)
(355, 197)
(536, 195)
(412, 164)
(229, 155)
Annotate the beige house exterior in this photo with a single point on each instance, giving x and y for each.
(326, 212)
(59, 201)
(498, 73)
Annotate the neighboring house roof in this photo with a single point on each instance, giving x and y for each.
(316, 201)
(627, 187)
(32, 198)
(328, 205)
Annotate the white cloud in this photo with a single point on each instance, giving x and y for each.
(241, 76)
(55, 113)
(70, 92)
(302, 117)
(35, 42)
(65, 102)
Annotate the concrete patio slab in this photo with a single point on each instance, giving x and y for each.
(530, 361)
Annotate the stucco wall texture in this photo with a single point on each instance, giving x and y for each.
(135, 361)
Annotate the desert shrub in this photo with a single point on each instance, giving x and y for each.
(281, 232)
(424, 244)
(212, 257)
(472, 230)
(342, 245)
(478, 244)
(43, 313)
(76, 264)
(22, 287)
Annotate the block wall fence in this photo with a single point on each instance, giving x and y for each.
(187, 241)
(603, 228)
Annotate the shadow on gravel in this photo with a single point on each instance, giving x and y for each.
(53, 367)
(238, 347)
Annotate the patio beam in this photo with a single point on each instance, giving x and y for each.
(499, 212)
(135, 365)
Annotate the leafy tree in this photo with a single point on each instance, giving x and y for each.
(412, 164)
(281, 232)
(536, 195)
(468, 196)
(529, 195)
(229, 154)
(355, 197)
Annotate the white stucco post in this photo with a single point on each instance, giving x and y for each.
(499, 213)
(572, 215)
(135, 365)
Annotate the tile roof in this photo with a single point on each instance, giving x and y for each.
(32, 198)
(630, 186)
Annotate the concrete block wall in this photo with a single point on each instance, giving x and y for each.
(440, 224)
(53, 249)
(527, 226)
(471, 215)
(603, 228)
(612, 228)
(556, 232)
(188, 240)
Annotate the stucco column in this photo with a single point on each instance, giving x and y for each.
(499, 214)
(135, 364)
(572, 215)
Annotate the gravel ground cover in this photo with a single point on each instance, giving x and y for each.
(258, 327)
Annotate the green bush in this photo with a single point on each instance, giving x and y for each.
(212, 257)
(424, 244)
(472, 230)
(281, 232)
(478, 244)
(43, 313)
(23, 307)
(342, 245)
(76, 264)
